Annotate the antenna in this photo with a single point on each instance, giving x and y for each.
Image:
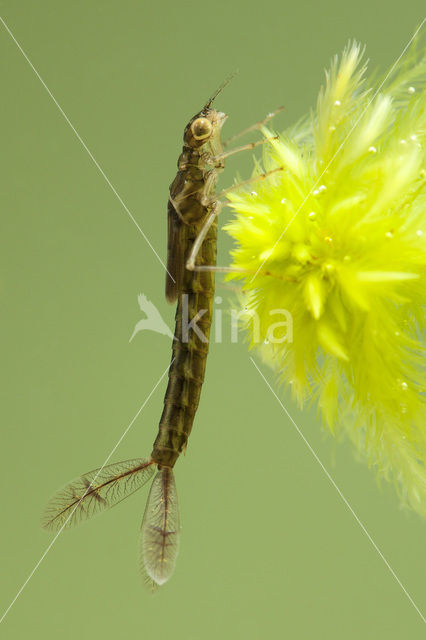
(221, 88)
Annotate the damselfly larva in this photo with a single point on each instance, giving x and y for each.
(193, 207)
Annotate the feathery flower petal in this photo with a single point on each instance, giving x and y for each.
(338, 240)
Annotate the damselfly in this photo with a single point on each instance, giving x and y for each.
(193, 208)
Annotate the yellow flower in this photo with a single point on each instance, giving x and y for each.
(337, 238)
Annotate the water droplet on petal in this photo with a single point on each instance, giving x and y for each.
(372, 149)
(337, 103)
(266, 254)
(312, 215)
(316, 192)
(389, 234)
(283, 201)
(322, 187)
(419, 233)
(253, 193)
(328, 239)
(402, 141)
(411, 90)
(404, 386)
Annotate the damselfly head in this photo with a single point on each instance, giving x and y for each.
(206, 124)
(203, 127)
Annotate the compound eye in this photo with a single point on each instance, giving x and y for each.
(201, 128)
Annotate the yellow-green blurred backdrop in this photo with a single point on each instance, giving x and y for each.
(268, 547)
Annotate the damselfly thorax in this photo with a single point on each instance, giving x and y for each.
(192, 211)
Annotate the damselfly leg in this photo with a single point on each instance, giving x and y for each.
(214, 200)
(218, 204)
(244, 147)
(254, 127)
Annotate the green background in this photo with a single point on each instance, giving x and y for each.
(268, 547)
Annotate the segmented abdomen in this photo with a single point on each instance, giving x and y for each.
(189, 352)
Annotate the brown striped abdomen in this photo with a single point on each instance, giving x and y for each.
(189, 353)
